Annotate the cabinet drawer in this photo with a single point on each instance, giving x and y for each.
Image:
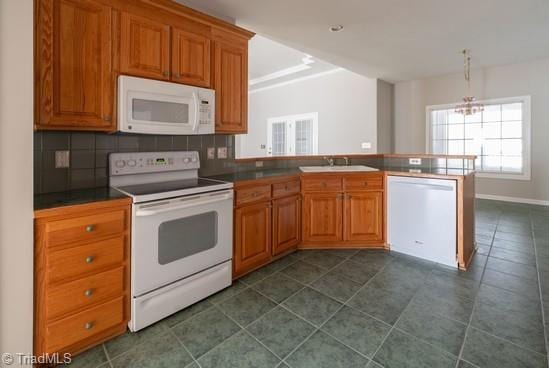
(84, 228)
(73, 329)
(83, 259)
(325, 183)
(284, 189)
(84, 292)
(370, 182)
(253, 194)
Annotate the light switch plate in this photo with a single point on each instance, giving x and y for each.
(62, 159)
(221, 152)
(414, 161)
(366, 145)
(211, 153)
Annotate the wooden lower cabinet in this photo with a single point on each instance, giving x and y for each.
(286, 224)
(363, 216)
(322, 217)
(81, 275)
(252, 238)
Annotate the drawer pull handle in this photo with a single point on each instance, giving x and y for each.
(90, 228)
(89, 259)
(88, 325)
(88, 293)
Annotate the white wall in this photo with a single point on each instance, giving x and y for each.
(411, 98)
(385, 116)
(345, 102)
(16, 239)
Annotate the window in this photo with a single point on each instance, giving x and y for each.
(499, 136)
(293, 135)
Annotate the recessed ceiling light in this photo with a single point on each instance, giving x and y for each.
(336, 28)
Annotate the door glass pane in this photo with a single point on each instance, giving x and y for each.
(491, 113)
(303, 137)
(278, 138)
(491, 163)
(184, 237)
(439, 131)
(511, 129)
(439, 117)
(160, 111)
(472, 147)
(456, 147)
(473, 131)
(511, 147)
(491, 130)
(439, 147)
(456, 131)
(512, 164)
(492, 147)
(455, 118)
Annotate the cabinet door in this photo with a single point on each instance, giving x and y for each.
(74, 77)
(286, 224)
(252, 243)
(364, 216)
(231, 87)
(144, 47)
(190, 58)
(322, 217)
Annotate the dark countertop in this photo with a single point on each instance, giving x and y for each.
(74, 197)
(395, 170)
(256, 174)
(83, 196)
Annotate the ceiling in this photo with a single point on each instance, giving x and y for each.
(398, 39)
(271, 63)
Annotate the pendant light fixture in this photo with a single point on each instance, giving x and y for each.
(469, 106)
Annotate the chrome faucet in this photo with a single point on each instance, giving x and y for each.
(330, 160)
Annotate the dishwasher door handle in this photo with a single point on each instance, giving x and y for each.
(448, 188)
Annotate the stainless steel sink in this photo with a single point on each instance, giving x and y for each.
(347, 168)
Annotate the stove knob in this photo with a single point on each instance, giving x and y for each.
(119, 163)
(186, 160)
(194, 158)
(131, 163)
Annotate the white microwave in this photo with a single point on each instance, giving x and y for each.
(149, 106)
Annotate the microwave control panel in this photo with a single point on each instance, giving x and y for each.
(206, 103)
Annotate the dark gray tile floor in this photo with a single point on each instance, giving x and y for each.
(371, 309)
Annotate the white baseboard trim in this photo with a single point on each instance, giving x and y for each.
(540, 202)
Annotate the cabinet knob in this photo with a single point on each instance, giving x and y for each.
(365, 183)
(88, 325)
(90, 228)
(89, 259)
(88, 293)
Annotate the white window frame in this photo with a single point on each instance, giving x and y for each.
(526, 135)
(290, 127)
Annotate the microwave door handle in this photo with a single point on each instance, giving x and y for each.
(180, 206)
(196, 111)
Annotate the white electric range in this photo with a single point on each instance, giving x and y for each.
(181, 239)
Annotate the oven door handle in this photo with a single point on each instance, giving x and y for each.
(179, 206)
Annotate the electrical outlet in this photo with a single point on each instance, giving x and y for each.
(259, 164)
(414, 161)
(366, 145)
(221, 152)
(211, 153)
(62, 159)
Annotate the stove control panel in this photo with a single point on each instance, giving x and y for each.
(149, 162)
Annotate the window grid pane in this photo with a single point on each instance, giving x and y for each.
(494, 135)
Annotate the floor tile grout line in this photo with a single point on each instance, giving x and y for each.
(319, 328)
(184, 347)
(462, 348)
(106, 354)
(543, 317)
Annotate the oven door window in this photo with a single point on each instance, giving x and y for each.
(186, 236)
(160, 111)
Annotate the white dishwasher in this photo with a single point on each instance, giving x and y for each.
(422, 218)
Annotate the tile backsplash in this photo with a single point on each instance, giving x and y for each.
(89, 156)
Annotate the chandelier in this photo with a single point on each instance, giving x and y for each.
(469, 106)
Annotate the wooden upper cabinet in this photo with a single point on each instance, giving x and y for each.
(74, 79)
(190, 58)
(252, 237)
(364, 216)
(144, 47)
(322, 217)
(231, 87)
(286, 224)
